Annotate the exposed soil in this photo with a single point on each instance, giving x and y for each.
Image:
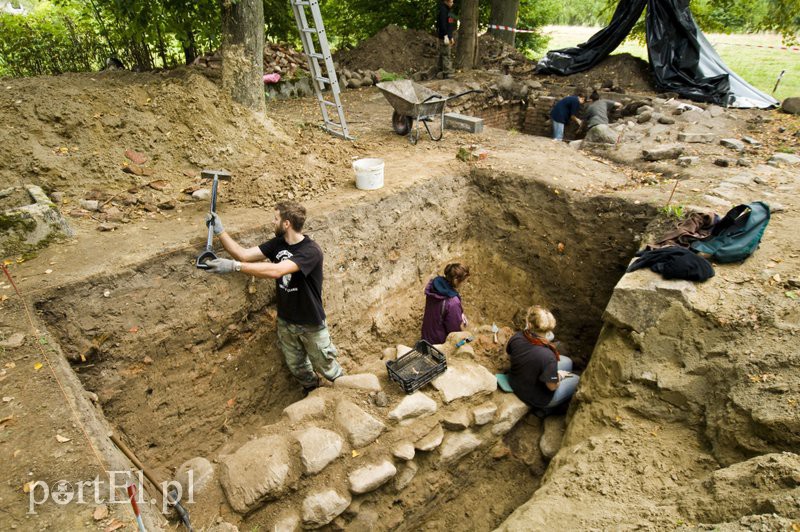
(183, 364)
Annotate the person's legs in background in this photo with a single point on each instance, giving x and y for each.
(558, 130)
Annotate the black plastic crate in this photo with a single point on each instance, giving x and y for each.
(417, 368)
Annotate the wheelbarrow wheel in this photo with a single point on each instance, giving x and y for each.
(401, 123)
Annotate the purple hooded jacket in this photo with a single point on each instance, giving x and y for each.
(443, 312)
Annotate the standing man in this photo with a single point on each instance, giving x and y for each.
(445, 24)
(566, 109)
(296, 265)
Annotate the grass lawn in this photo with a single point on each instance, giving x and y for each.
(758, 66)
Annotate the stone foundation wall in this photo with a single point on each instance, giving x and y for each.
(362, 436)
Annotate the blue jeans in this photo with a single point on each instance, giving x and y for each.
(567, 387)
(308, 349)
(558, 130)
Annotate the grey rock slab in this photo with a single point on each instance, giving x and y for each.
(464, 379)
(784, 158)
(309, 407)
(734, 144)
(318, 448)
(431, 440)
(457, 420)
(15, 340)
(258, 471)
(484, 413)
(195, 474)
(371, 477)
(404, 450)
(729, 192)
(741, 179)
(688, 161)
(360, 427)
(412, 406)
(510, 411)
(322, 507)
(751, 141)
(724, 162)
(360, 381)
(666, 120)
(696, 137)
(715, 110)
(713, 200)
(744, 162)
(644, 117)
(602, 134)
(553, 433)
(405, 475)
(457, 445)
(660, 154)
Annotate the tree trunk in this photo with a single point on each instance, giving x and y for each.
(243, 52)
(504, 13)
(467, 43)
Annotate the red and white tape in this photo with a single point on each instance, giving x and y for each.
(509, 28)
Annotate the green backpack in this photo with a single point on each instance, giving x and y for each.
(737, 235)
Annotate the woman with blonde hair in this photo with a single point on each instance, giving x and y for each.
(540, 375)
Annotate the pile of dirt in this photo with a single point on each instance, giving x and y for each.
(496, 54)
(75, 135)
(619, 71)
(393, 49)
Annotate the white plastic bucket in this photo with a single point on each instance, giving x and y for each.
(369, 173)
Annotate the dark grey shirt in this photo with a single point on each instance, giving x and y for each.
(597, 113)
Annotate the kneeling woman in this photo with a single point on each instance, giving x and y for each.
(539, 375)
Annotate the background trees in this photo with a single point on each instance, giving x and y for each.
(57, 36)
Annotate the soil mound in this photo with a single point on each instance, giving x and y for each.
(393, 49)
(619, 70)
(495, 53)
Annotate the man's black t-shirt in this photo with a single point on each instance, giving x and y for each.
(532, 366)
(299, 293)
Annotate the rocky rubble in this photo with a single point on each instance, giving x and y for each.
(317, 467)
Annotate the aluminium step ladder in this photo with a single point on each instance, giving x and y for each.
(316, 59)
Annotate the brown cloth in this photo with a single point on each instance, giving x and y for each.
(696, 226)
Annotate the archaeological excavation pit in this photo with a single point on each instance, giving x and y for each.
(184, 364)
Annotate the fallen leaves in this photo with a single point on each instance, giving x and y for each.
(62, 439)
(135, 157)
(115, 524)
(37, 366)
(100, 513)
(134, 329)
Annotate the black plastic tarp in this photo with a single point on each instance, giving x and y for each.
(682, 59)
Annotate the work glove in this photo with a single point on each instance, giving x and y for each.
(213, 218)
(224, 266)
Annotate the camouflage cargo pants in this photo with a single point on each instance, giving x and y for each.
(308, 349)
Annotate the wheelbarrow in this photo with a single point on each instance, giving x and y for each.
(412, 103)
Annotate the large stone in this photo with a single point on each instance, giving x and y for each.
(696, 137)
(734, 144)
(431, 440)
(550, 442)
(457, 445)
(361, 381)
(791, 105)
(458, 420)
(484, 413)
(602, 134)
(464, 379)
(457, 121)
(644, 117)
(371, 477)
(414, 405)
(195, 475)
(322, 507)
(259, 471)
(360, 427)
(688, 160)
(660, 154)
(15, 340)
(509, 412)
(318, 448)
(287, 523)
(715, 110)
(779, 159)
(309, 407)
(404, 450)
(405, 476)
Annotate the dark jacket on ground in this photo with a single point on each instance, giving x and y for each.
(674, 263)
(445, 22)
(443, 311)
